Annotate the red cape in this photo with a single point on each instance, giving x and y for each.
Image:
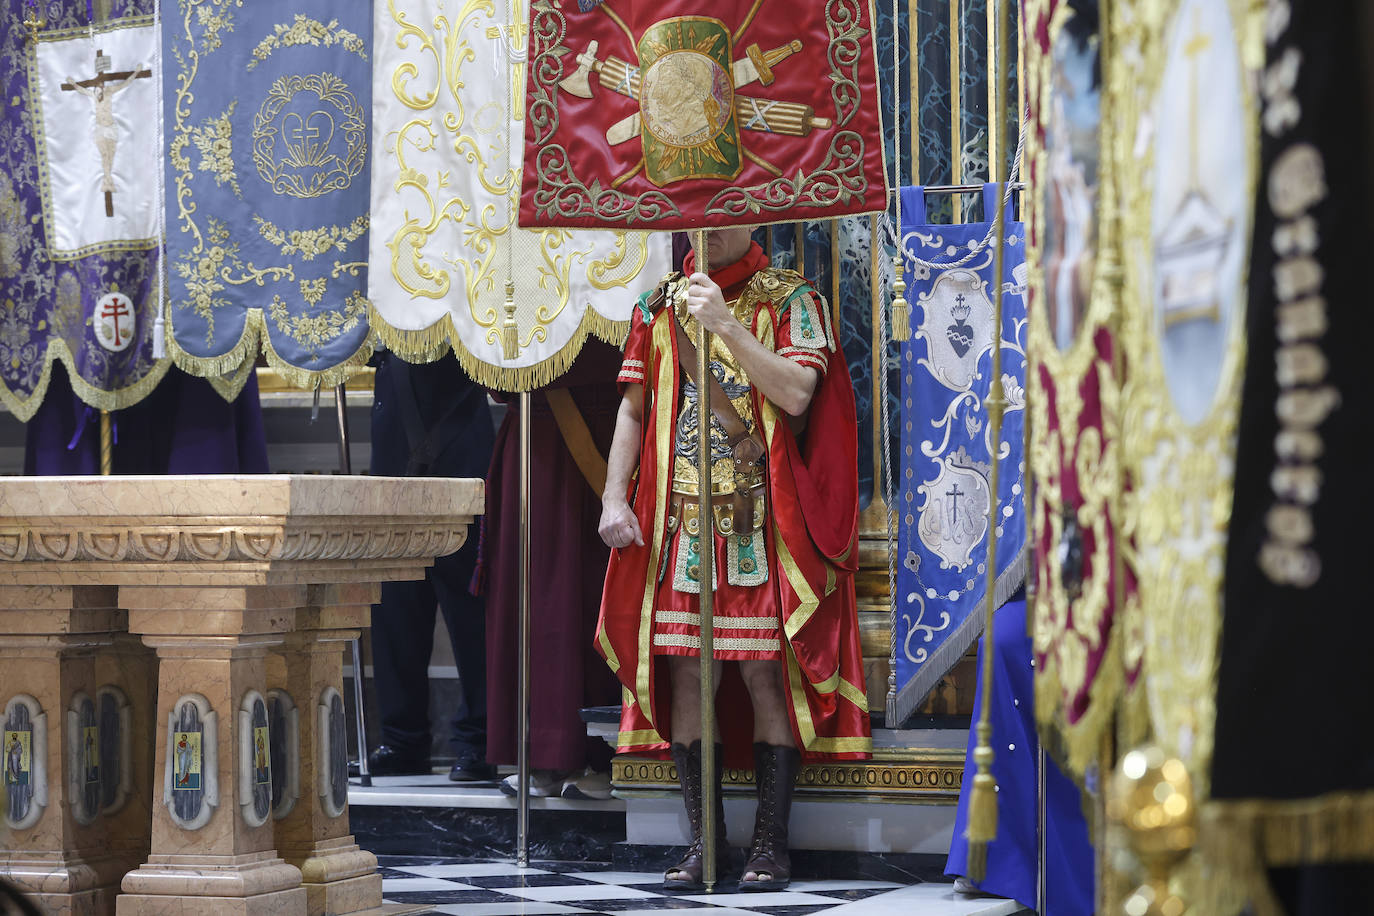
(812, 535)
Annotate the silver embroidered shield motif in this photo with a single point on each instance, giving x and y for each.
(954, 517)
(957, 325)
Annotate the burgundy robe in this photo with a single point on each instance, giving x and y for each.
(568, 569)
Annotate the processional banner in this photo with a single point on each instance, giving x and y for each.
(1074, 391)
(79, 218)
(1186, 180)
(945, 495)
(1295, 575)
(653, 115)
(448, 122)
(267, 185)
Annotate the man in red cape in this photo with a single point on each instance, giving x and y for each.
(784, 487)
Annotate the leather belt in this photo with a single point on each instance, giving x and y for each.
(685, 509)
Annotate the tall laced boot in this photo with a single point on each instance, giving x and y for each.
(775, 774)
(686, 875)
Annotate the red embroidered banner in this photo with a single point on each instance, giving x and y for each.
(679, 115)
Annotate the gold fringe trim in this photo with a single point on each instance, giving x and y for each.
(99, 398)
(230, 386)
(1240, 839)
(255, 335)
(431, 343)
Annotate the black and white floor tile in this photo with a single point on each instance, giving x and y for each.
(500, 888)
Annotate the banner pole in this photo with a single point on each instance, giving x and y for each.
(982, 829)
(106, 445)
(522, 831)
(706, 538)
(341, 412)
(355, 644)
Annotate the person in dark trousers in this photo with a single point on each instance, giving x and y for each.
(430, 420)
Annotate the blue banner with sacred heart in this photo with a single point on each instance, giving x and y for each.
(79, 220)
(944, 486)
(267, 183)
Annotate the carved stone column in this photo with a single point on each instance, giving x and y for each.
(211, 837)
(57, 844)
(312, 830)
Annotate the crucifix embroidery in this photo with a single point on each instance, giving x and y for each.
(101, 89)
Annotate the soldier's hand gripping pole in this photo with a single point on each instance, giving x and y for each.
(706, 535)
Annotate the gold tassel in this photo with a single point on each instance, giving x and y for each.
(982, 809)
(510, 331)
(901, 309)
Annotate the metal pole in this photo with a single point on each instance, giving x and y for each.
(522, 825)
(706, 539)
(341, 408)
(1041, 880)
(355, 644)
(364, 772)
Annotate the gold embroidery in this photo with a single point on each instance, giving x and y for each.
(310, 168)
(310, 243)
(424, 265)
(213, 262)
(312, 291)
(639, 738)
(307, 31)
(834, 181)
(722, 643)
(1178, 454)
(215, 141)
(213, 16)
(313, 331)
(720, 622)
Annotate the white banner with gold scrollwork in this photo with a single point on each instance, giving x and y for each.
(448, 91)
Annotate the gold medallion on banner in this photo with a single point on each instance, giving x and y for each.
(686, 101)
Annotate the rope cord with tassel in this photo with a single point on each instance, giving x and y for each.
(974, 247)
(510, 54)
(160, 319)
(982, 823)
(901, 309)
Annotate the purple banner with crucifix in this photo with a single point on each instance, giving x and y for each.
(79, 211)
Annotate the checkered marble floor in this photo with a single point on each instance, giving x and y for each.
(500, 888)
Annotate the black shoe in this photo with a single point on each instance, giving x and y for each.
(389, 761)
(472, 771)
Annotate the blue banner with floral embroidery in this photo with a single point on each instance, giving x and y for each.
(79, 220)
(944, 485)
(267, 183)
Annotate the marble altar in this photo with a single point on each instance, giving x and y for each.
(171, 674)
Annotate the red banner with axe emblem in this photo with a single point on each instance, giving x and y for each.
(678, 115)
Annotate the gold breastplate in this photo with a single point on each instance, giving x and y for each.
(735, 382)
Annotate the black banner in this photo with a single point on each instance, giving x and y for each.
(1296, 678)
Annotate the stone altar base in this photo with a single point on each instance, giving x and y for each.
(171, 669)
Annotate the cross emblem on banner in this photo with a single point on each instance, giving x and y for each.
(954, 493)
(114, 322)
(101, 89)
(512, 38)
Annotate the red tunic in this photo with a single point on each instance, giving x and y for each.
(806, 608)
